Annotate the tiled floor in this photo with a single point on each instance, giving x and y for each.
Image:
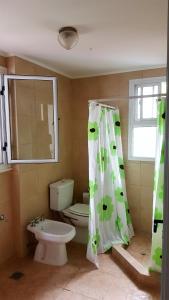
(77, 280)
(140, 248)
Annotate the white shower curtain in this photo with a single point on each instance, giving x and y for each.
(109, 218)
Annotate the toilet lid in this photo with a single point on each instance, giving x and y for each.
(80, 209)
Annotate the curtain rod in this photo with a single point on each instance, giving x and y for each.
(108, 106)
(128, 98)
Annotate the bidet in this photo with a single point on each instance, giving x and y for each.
(52, 237)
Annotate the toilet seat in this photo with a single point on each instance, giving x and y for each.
(78, 213)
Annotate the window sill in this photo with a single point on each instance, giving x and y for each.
(141, 160)
(4, 170)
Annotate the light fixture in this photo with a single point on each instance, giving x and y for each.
(68, 37)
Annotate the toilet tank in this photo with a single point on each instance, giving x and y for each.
(61, 194)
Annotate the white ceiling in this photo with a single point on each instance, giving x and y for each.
(115, 35)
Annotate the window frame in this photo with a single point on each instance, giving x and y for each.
(4, 166)
(6, 120)
(133, 123)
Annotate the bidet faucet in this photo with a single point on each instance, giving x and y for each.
(42, 218)
(32, 223)
(36, 220)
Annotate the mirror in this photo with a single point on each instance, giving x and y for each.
(31, 114)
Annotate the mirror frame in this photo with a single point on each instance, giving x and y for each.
(7, 119)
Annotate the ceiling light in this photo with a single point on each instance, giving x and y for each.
(68, 37)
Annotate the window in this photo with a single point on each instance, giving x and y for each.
(142, 117)
(28, 119)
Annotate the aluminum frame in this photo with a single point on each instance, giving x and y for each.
(146, 122)
(55, 116)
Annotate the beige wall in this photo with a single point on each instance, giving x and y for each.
(31, 181)
(2, 61)
(6, 207)
(24, 191)
(139, 175)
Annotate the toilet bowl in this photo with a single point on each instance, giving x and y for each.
(78, 215)
(61, 199)
(52, 237)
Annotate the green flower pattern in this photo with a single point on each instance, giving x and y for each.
(92, 188)
(119, 195)
(106, 183)
(105, 208)
(162, 155)
(121, 166)
(128, 213)
(158, 214)
(161, 116)
(157, 256)
(126, 239)
(119, 224)
(161, 193)
(102, 159)
(116, 121)
(113, 176)
(93, 131)
(95, 241)
(113, 148)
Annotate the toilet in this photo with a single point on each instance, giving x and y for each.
(61, 199)
(52, 237)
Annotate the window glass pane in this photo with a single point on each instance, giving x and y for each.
(163, 87)
(147, 90)
(144, 142)
(138, 104)
(150, 104)
(149, 108)
(139, 91)
(138, 110)
(155, 89)
(31, 119)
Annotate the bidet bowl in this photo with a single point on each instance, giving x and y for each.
(53, 231)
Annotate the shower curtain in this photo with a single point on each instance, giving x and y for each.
(109, 216)
(156, 250)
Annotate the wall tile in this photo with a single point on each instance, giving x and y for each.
(146, 204)
(147, 174)
(133, 173)
(6, 232)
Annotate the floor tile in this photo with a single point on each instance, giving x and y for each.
(140, 248)
(77, 280)
(68, 295)
(94, 284)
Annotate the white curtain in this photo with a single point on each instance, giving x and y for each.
(109, 218)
